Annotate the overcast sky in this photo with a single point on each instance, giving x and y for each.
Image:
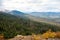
(31, 5)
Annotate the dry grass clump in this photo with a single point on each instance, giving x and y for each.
(36, 37)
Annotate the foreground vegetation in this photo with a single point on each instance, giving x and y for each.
(11, 26)
(48, 35)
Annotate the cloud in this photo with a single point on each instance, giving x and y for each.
(32, 5)
(0, 4)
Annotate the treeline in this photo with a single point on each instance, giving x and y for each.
(11, 26)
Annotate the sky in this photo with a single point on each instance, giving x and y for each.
(31, 5)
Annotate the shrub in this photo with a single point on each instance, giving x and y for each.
(49, 34)
(58, 34)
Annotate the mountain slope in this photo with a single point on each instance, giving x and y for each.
(11, 25)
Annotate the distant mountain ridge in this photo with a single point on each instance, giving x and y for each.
(46, 14)
(36, 14)
(16, 12)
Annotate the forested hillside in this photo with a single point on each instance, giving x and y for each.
(11, 25)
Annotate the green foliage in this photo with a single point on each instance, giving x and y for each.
(11, 25)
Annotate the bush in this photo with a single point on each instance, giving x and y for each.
(49, 34)
(58, 34)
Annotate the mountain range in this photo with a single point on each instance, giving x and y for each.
(36, 14)
(47, 17)
(46, 14)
